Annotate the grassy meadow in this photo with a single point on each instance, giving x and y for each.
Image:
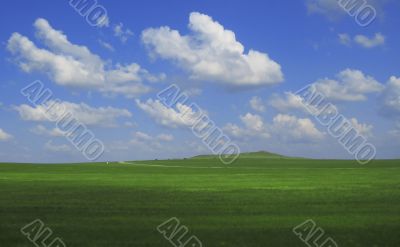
(254, 202)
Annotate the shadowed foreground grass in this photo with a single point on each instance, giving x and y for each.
(254, 202)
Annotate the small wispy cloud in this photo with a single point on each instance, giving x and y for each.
(362, 40)
(106, 45)
(122, 34)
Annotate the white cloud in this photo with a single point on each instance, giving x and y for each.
(292, 128)
(50, 146)
(42, 130)
(254, 127)
(333, 11)
(396, 131)
(362, 40)
(192, 92)
(285, 127)
(181, 116)
(130, 124)
(144, 140)
(391, 98)
(212, 53)
(366, 42)
(146, 137)
(253, 122)
(363, 129)
(4, 136)
(73, 65)
(122, 34)
(257, 104)
(351, 85)
(142, 136)
(344, 39)
(165, 137)
(329, 8)
(288, 102)
(106, 45)
(102, 116)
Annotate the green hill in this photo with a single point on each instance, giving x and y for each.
(249, 155)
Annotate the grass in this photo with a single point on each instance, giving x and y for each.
(254, 202)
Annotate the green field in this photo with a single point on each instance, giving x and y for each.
(254, 202)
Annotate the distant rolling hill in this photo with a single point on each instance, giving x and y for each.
(250, 155)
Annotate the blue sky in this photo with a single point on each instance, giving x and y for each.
(240, 62)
